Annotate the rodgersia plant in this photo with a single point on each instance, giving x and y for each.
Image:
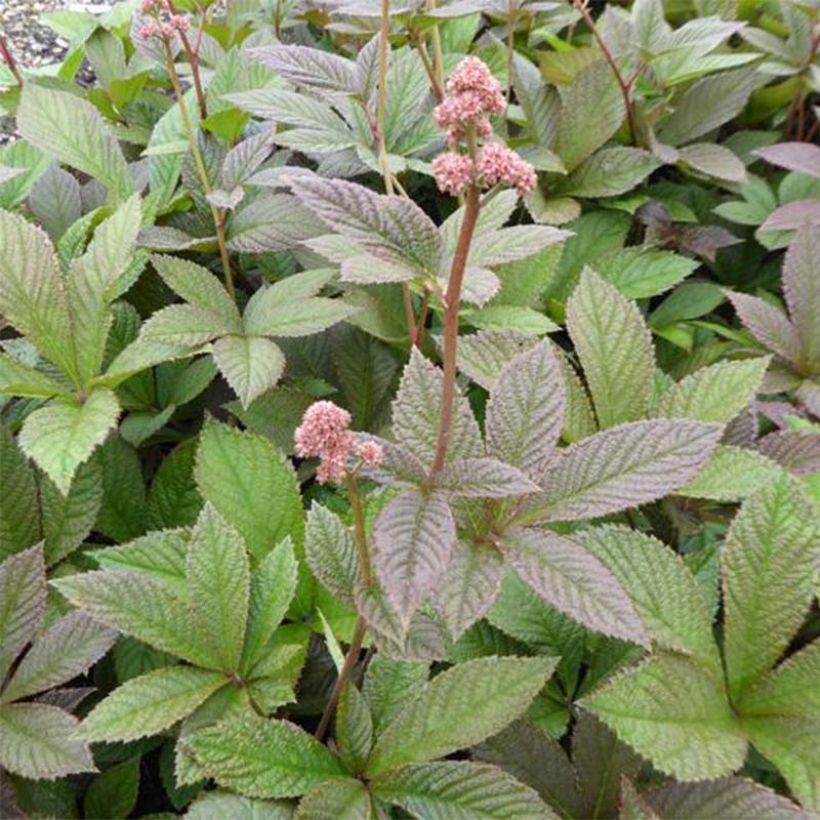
(393, 425)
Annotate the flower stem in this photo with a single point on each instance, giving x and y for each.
(9, 60)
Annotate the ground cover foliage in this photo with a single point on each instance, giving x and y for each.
(412, 409)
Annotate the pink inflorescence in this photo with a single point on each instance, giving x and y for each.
(324, 433)
(159, 28)
(371, 453)
(473, 94)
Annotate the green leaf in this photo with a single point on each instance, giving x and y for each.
(693, 737)
(331, 553)
(715, 393)
(251, 365)
(767, 576)
(663, 590)
(337, 799)
(241, 474)
(217, 805)
(459, 708)
(615, 349)
(114, 792)
(62, 436)
(218, 577)
(64, 651)
(388, 685)
(639, 271)
(40, 742)
(173, 498)
(122, 513)
(460, 790)
(263, 758)
(22, 602)
(609, 172)
(72, 130)
(354, 728)
(19, 379)
(151, 703)
(19, 508)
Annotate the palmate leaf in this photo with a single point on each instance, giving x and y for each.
(663, 590)
(67, 649)
(460, 790)
(217, 572)
(693, 738)
(412, 541)
(460, 707)
(802, 292)
(251, 365)
(716, 393)
(624, 467)
(568, 577)
(767, 571)
(263, 758)
(149, 704)
(614, 346)
(40, 742)
(60, 437)
(19, 518)
(390, 228)
(526, 410)
(22, 602)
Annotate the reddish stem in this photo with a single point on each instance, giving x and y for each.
(9, 60)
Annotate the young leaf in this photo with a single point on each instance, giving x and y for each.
(19, 519)
(574, 581)
(40, 742)
(218, 576)
(60, 437)
(460, 707)
(624, 467)
(692, 738)
(450, 788)
(263, 758)
(526, 411)
(483, 478)
(767, 576)
(412, 542)
(615, 348)
(149, 704)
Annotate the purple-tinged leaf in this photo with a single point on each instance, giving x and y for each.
(573, 581)
(310, 67)
(483, 478)
(624, 467)
(797, 450)
(804, 213)
(525, 412)
(244, 158)
(809, 394)
(22, 602)
(484, 355)
(471, 586)
(412, 543)
(425, 641)
(801, 287)
(794, 156)
(399, 467)
(367, 67)
(770, 326)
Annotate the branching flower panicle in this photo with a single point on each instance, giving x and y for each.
(165, 23)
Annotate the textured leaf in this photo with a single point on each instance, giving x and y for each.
(794, 156)
(471, 585)
(149, 704)
(802, 291)
(60, 437)
(71, 129)
(244, 158)
(19, 518)
(32, 290)
(714, 161)
(732, 474)
(732, 798)
(511, 244)
(615, 349)
(239, 473)
(793, 216)
(310, 67)
(353, 728)
(182, 328)
(767, 577)
(138, 606)
(337, 799)
(331, 552)
(460, 789)
(39, 742)
(250, 364)
(22, 602)
(55, 201)
(388, 685)
(416, 415)
(715, 393)
(122, 512)
(19, 379)
(526, 411)
(483, 356)
(269, 223)
(390, 228)
(663, 590)
(639, 271)
(218, 576)
(217, 805)
(609, 172)
(281, 316)
(769, 325)
(460, 707)
(633, 803)
(66, 650)
(263, 758)
(483, 478)
(796, 450)
(173, 498)
(412, 542)
(114, 792)
(692, 738)
(574, 581)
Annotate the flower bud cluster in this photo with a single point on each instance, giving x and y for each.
(165, 24)
(473, 94)
(325, 434)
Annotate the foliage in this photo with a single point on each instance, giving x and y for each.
(412, 410)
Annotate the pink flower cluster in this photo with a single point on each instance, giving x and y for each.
(158, 28)
(325, 434)
(472, 95)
